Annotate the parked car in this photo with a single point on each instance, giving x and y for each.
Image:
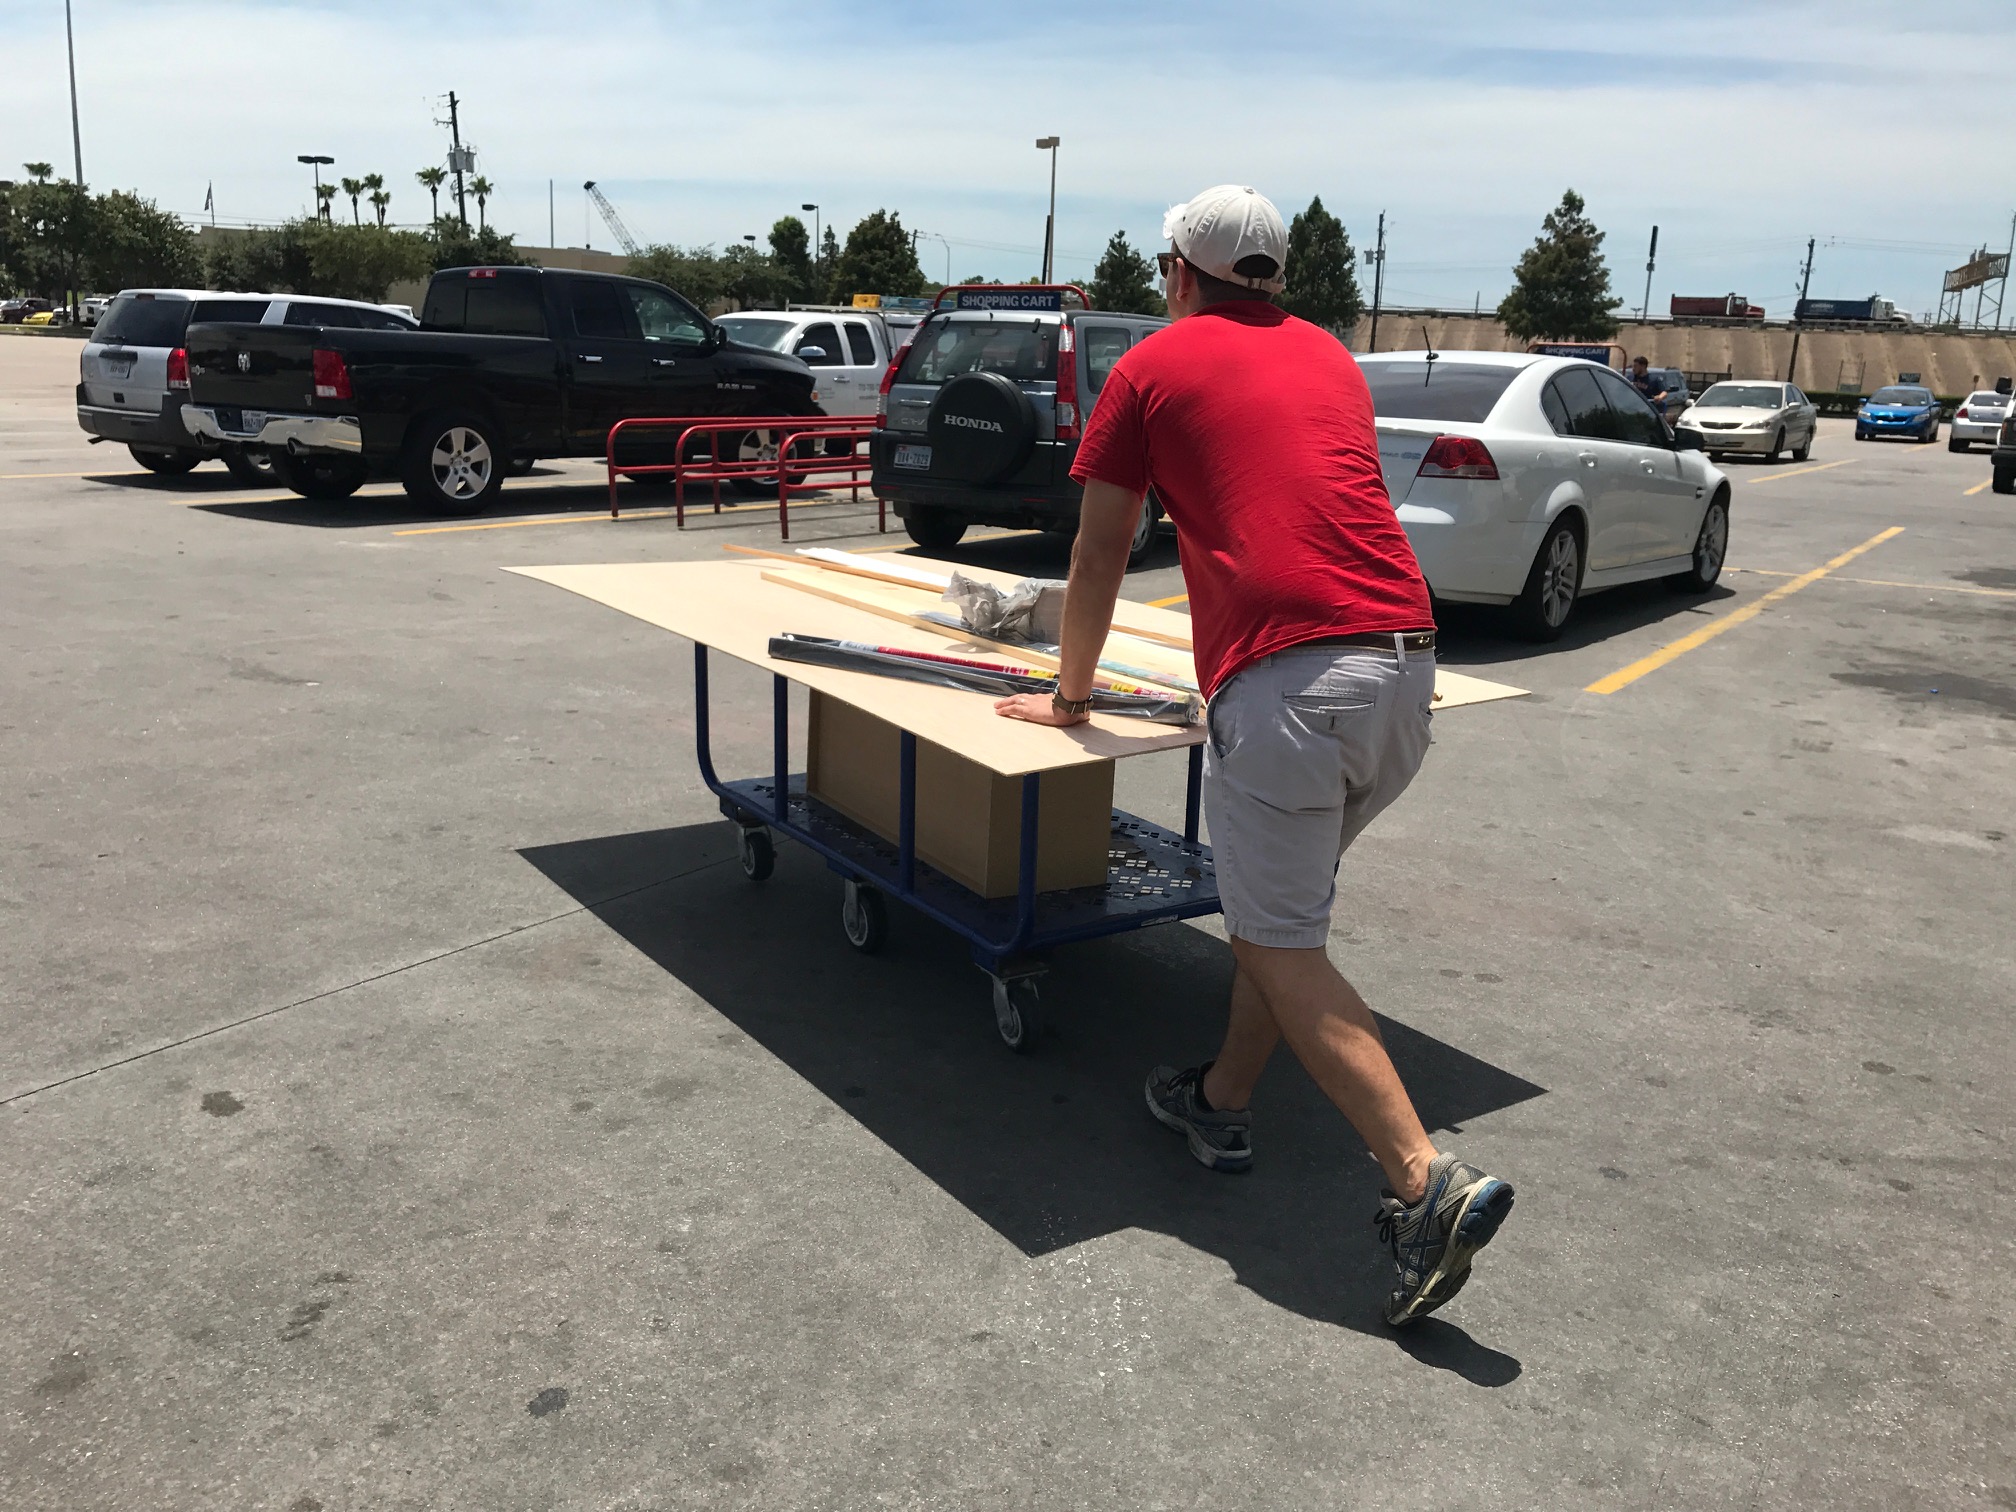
(981, 419)
(133, 374)
(2002, 465)
(508, 365)
(1752, 418)
(44, 318)
(1979, 418)
(848, 352)
(93, 308)
(1902, 409)
(1528, 481)
(1678, 394)
(15, 311)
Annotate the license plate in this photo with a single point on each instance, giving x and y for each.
(913, 456)
(251, 423)
(118, 371)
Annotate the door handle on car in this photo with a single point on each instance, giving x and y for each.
(1588, 459)
(590, 357)
(662, 361)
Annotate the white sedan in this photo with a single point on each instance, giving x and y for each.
(1757, 416)
(1528, 481)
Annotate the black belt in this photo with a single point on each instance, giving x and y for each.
(1413, 640)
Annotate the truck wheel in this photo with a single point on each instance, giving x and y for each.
(170, 464)
(453, 464)
(933, 529)
(319, 475)
(251, 464)
(761, 446)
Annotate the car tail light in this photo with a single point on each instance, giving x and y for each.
(1067, 383)
(178, 368)
(332, 375)
(888, 382)
(1960, 413)
(1458, 457)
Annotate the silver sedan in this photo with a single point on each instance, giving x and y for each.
(1979, 418)
(1754, 418)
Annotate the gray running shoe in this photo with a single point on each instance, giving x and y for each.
(1435, 1240)
(1222, 1141)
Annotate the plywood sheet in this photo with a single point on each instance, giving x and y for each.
(728, 606)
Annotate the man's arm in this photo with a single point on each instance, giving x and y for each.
(1098, 567)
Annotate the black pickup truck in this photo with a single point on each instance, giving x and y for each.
(509, 365)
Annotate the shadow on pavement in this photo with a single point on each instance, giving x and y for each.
(1053, 1149)
(1473, 634)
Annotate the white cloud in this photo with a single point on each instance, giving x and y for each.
(1739, 129)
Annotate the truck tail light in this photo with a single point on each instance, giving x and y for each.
(1458, 457)
(888, 382)
(332, 375)
(1067, 383)
(178, 368)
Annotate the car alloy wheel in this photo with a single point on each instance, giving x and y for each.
(1559, 579)
(1713, 544)
(462, 463)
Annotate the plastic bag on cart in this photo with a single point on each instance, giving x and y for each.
(1032, 610)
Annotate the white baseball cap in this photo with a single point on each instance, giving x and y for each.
(1222, 227)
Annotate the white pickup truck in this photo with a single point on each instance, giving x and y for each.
(848, 352)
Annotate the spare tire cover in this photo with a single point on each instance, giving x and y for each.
(982, 429)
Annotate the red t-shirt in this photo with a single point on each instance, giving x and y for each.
(1255, 431)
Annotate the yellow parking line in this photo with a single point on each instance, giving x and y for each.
(573, 519)
(1888, 583)
(1800, 472)
(1977, 488)
(1180, 598)
(1625, 676)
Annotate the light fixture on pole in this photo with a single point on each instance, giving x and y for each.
(317, 162)
(948, 252)
(1050, 144)
(815, 232)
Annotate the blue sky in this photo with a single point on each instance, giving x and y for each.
(1739, 129)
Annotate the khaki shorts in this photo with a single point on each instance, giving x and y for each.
(1307, 746)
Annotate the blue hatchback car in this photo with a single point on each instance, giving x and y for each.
(1900, 410)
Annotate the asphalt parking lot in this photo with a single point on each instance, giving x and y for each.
(408, 1103)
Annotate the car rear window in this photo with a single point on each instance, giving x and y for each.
(1023, 350)
(1901, 396)
(1439, 390)
(505, 305)
(1988, 399)
(143, 321)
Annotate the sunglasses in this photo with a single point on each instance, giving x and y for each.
(1164, 261)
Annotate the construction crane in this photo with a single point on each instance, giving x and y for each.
(611, 219)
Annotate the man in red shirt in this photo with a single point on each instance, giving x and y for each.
(1315, 647)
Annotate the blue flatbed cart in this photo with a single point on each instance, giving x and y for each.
(1154, 875)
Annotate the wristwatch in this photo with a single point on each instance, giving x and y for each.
(1065, 705)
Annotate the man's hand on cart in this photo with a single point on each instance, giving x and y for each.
(1037, 708)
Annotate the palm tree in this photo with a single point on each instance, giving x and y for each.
(39, 171)
(353, 188)
(375, 183)
(482, 189)
(431, 179)
(324, 193)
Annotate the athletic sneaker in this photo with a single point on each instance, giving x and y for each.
(1435, 1239)
(1222, 1141)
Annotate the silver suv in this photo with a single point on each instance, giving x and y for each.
(982, 411)
(134, 374)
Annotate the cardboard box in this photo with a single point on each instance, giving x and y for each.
(969, 819)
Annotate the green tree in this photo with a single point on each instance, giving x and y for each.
(374, 185)
(878, 259)
(325, 195)
(791, 251)
(1124, 281)
(49, 227)
(1322, 273)
(696, 272)
(431, 179)
(132, 244)
(353, 188)
(482, 189)
(1561, 287)
(39, 172)
(316, 257)
(456, 246)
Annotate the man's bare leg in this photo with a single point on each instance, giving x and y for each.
(1332, 1032)
(1250, 1037)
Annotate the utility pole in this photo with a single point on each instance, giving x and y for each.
(76, 135)
(1651, 256)
(457, 159)
(550, 232)
(2002, 294)
(1377, 257)
(1805, 282)
(1050, 144)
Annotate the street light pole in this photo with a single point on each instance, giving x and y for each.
(815, 234)
(316, 163)
(1050, 144)
(1377, 258)
(76, 135)
(1651, 256)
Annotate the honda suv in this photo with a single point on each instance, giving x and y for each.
(982, 411)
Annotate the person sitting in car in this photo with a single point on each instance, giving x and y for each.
(1651, 385)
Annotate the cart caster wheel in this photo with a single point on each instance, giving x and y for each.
(865, 917)
(1016, 1016)
(758, 854)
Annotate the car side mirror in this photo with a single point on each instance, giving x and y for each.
(811, 353)
(1687, 440)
